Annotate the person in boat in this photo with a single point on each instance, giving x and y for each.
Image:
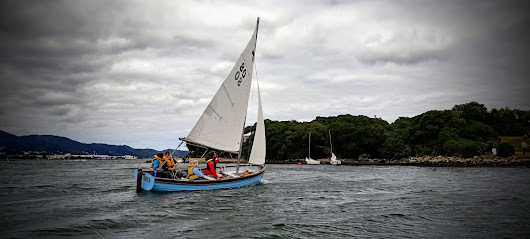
(157, 165)
(171, 164)
(211, 165)
(170, 167)
(193, 171)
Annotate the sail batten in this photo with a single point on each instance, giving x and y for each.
(221, 124)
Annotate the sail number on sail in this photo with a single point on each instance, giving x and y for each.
(243, 72)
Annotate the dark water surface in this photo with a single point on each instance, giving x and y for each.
(93, 199)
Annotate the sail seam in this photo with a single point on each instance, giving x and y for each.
(224, 87)
(220, 117)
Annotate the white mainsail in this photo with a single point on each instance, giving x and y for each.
(258, 153)
(221, 125)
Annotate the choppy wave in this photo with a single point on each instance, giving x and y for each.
(98, 199)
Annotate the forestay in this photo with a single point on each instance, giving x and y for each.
(221, 125)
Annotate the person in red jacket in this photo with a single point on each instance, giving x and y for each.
(211, 165)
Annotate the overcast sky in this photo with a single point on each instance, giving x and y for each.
(140, 73)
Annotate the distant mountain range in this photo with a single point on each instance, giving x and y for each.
(51, 144)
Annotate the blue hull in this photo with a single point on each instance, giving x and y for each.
(174, 187)
(150, 183)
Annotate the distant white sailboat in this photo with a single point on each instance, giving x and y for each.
(333, 160)
(309, 160)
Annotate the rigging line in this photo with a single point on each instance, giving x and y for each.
(240, 146)
(205, 152)
(251, 107)
(257, 78)
(181, 142)
(249, 141)
(228, 94)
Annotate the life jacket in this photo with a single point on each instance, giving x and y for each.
(170, 161)
(159, 162)
(191, 174)
(215, 160)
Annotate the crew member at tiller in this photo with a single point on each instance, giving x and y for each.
(211, 165)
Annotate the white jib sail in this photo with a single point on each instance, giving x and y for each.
(258, 153)
(221, 125)
(333, 157)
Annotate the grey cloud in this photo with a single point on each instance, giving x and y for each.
(61, 111)
(96, 70)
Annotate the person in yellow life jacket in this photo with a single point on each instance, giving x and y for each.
(171, 164)
(157, 165)
(193, 171)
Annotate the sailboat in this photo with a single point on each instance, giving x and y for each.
(221, 127)
(333, 160)
(308, 159)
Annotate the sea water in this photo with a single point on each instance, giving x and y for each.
(97, 199)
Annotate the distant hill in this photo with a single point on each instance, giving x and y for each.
(60, 145)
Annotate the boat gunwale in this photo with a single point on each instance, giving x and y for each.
(210, 182)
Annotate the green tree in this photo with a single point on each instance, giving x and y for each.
(395, 145)
(479, 132)
(472, 111)
(445, 135)
(464, 130)
(470, 148)
(452, 147)
(427, 127)
(355, 135)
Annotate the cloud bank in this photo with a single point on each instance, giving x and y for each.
(141, 73)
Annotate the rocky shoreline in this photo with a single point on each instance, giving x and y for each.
(426, 161)
(435, 161)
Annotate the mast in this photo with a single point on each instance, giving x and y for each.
(309, 145)
(240, 148)
(331, 145)
(243, 130)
